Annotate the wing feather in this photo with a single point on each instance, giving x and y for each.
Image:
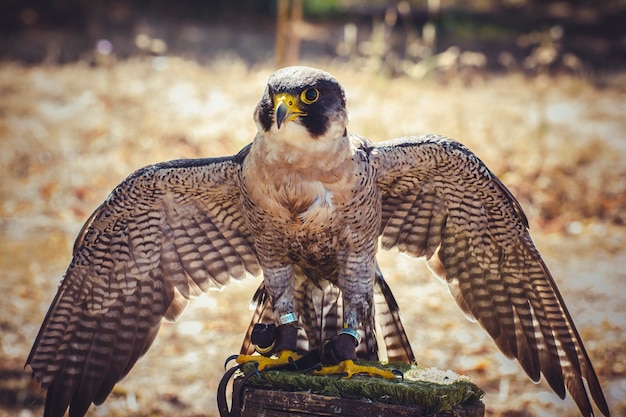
(442, 202)
(166, 233)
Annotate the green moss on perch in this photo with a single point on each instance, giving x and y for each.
(430, 390)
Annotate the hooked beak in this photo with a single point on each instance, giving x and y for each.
(286, 109)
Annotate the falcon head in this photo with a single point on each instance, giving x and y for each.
(302, 103)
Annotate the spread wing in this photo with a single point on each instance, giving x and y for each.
(320, 311)
(168, 232)
(440, 201)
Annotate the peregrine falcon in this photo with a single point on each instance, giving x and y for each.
(305, 205)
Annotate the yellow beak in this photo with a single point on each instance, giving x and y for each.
(286, 109)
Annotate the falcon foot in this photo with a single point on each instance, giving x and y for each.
(286, 357)
(347, 369)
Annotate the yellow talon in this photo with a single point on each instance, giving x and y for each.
(284, 358)
(348, 368)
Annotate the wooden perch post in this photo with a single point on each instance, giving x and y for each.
(282, 394)
(261, 402)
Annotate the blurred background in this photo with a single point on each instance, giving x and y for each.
(91, 91)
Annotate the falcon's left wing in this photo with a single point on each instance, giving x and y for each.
(166, 233)
(440, 201)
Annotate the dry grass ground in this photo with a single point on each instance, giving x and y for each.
(70, 134)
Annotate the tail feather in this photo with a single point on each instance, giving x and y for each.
(262, 314)
(388, 319)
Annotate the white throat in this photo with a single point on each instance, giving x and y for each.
(293, 144)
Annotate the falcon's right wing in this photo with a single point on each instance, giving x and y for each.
(166, 233)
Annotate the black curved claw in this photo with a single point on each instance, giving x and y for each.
(398, 372)
(230, 358)
(256, 369)
(317, 367)
(293, 363)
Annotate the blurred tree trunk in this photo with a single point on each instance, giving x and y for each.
(289, 19)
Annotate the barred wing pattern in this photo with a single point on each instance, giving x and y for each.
(320, 310)
(168, 232)
(440, 201)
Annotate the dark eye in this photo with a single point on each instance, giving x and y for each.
(310, 95)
